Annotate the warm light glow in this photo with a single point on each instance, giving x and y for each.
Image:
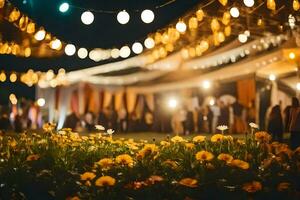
(41, 102)
(40, 35)
(124, 52)
(87, 17)
(272, 77)
(123, 17)
(242, 38)
(247, 33)
(212, 102)
(147, 16)
(82, 53)
(50, 75)
(181, 26)
(298, 86)
(70, 49)
(55, 44)
(206, 85)
(149, 43)
(64, 7)
(234, 12)
(292, 55)
(137, 48)
(2, 77)
(115, 53)
(172, 103)
(249, 3)
(13, 77)
(12, 97)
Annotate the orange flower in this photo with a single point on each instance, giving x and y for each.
(217, 138)
(204, 156)
(240, 164)
(87, 176)
(105, 163)
(199, 138)
(105, 181)
(252, 187)
(262, 136)
(188, 182)
(225, 157)
(154, 178)
(32, 157)
(124, 159)
(170, 163)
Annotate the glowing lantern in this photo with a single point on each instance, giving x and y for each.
(271, 4)
(193, 23)
(30, 28)
(226, 18)
(223, 2)
(14, 15)
(162, 52)
(227, 31)
(215, 25)
(204, 45)
(200, 15)
(296, 5)
(2, 2)
(165, 38)
(260, 22)
(185, 53)
(170, 47)
(157, 38)
(13, 77)
(23, 23)
(221, 37)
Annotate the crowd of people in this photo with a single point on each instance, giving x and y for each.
(182, 120)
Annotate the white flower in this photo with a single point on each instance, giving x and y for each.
(222, 127)
(100, 127)
(110, 132)
(253, 125)
(61, 132)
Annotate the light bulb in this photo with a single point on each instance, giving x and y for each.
(40, 35)
(41, 102)
(115, 53)
(298, 86)
(70, 49)
(249, 3)
(64, 7)
(272, 77)
(87, 17)
(147, 16)
(123, 17)
(234, 12)
(292, 55)
(181, 26)
(137, 48)
(242, 38)
(149, 43)
(124, 52)
(82, 53)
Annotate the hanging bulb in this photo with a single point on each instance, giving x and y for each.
(271, 5)
(227, 31)
(296, 5)
(260, 22)
(214, 25)
(193, 23)
(226, 18)
(2, 2)
(223, 2)
(200, 15)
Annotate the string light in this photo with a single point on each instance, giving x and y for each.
(172, 103)
(242, 38)
(296, 5)
(41, 102)
(124, 52)
(181, 26)
(55, 44)
(70, 49)
(206, 85)
(64, 7)
(123, 17)
(40, 35)
(2, 77)
(115, 53)
(249, 3)
(87, 18)
(137, 48)
(298, 86)
(223, 2)
(147, 16)
(271, 5)
(234, 12)
(149, 43)
(292, 55)
(82, 53)
(272, 77)
(13, 77)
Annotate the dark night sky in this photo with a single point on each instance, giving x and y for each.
(105, 32)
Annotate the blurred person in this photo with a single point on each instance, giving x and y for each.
(239, 124)
(89, 122)
(224, 114)
(182, 118)
(72, 121)
(122, 115)
(18, 127)
(275, 124)
(149, 120)
(216, 114)
(102, 119)
(294, 123)
(200, 120)
(176, 123)
(251, 112)
(189, 122)
(286, 113)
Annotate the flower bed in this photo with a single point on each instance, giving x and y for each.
(64, 165)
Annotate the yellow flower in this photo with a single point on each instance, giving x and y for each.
(105, 163)
(283, 186)
(252, 187)
(164, 143)
(189, 145)
(48, 127)
(177, 139)
(217, 138)
(225, 157)
(199, 138)
(188, 182)
(32, 157)
(87, 176)
(170, 163)
(13, 143)
(262, 136)
(228, 138)
(147, 150)
(124, 159)
(105, 181)
(204, 156)
(240, 164)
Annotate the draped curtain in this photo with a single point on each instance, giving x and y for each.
(246, 91)
(75, 102)
(131, 98)
(107, 99)
(119, 100)
(149, 98)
